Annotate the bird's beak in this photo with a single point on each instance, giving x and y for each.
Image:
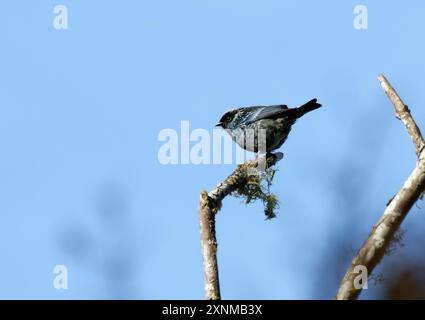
(219, 124)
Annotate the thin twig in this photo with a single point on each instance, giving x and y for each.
(374, 248)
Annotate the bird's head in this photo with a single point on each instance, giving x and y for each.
(226, 118)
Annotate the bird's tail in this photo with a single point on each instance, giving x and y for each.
(302, 110)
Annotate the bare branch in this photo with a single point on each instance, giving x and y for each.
(373, 249)
(209, 247)
(209, 205)
(403, 113)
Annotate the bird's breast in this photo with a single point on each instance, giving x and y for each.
(262, 136)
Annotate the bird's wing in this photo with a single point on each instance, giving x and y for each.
(266, 113)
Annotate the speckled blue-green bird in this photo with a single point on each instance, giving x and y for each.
(263, 128)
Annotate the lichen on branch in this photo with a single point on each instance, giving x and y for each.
(257, 187)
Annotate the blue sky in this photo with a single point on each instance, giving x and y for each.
(80, 113)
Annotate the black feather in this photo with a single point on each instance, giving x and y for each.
(273, 112)
(269, 112)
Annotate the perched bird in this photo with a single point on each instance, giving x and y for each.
(263, 128)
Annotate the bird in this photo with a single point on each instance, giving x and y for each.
(263, 128)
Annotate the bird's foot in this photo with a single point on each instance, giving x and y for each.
(275, 156)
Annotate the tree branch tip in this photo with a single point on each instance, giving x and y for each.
(384, 82)
(204, 193)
